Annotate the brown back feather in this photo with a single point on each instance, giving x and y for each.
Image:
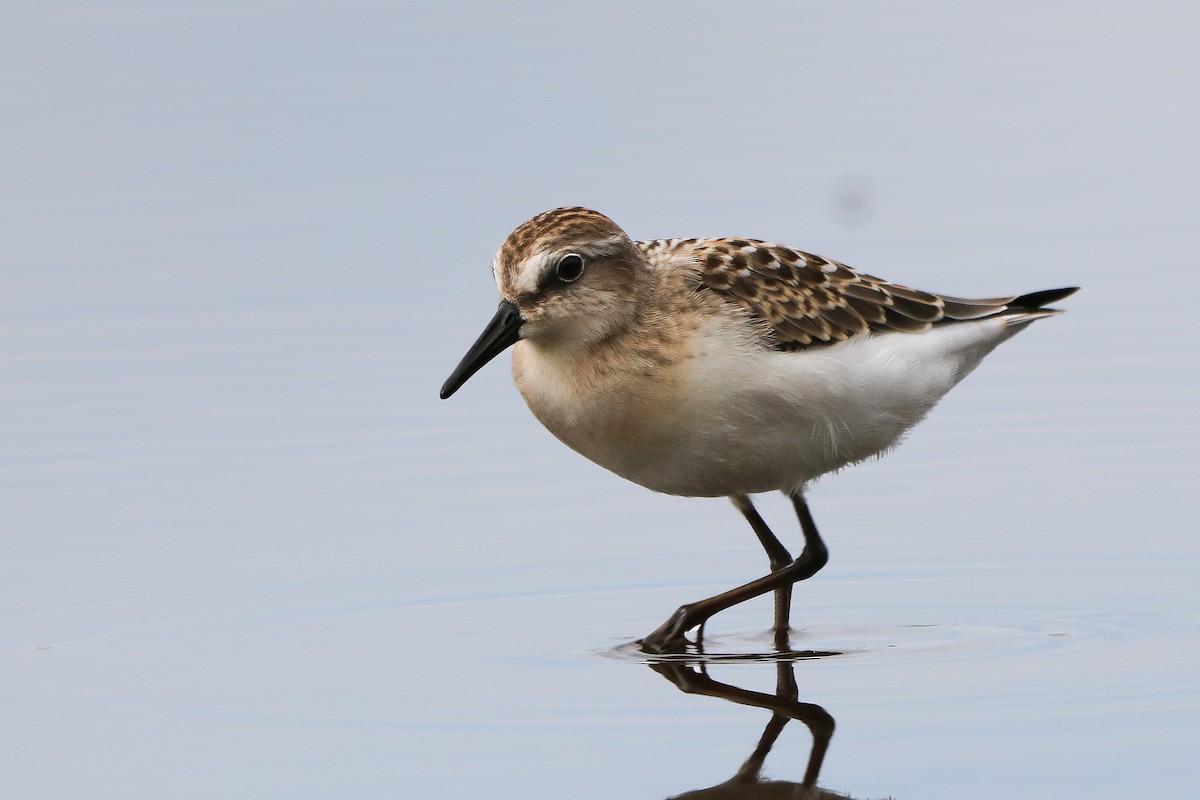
(808, 301)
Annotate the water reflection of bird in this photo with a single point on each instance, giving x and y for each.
(725, 367)
(737, 788)
(748, 783)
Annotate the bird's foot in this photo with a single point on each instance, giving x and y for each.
(669, 637)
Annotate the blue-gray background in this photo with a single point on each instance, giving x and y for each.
(246, 552)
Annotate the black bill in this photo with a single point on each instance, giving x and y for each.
(500, 334)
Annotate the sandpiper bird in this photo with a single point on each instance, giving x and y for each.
(725, 367)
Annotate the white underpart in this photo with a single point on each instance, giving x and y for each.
(764, 419)
(746, 419)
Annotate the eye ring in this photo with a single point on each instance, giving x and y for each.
(569, 268)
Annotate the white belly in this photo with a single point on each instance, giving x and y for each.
(734, 418)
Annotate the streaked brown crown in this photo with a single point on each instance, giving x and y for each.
(555, 229)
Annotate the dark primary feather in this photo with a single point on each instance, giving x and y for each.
(1035, 300)
(810, 301)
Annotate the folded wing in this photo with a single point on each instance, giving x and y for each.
(809, 301)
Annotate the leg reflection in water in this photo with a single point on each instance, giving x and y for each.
(748, 783)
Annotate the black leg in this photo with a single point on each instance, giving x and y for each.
(779, 555)
(670, 635)
(780, 558)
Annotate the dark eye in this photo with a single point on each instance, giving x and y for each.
(570, 268)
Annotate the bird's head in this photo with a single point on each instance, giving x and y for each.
(567, 279)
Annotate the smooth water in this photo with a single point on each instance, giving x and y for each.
(247, 552)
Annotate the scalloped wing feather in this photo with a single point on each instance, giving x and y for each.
(809, 301)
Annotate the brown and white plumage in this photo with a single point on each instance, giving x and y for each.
(708, 367)
(810, 301)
